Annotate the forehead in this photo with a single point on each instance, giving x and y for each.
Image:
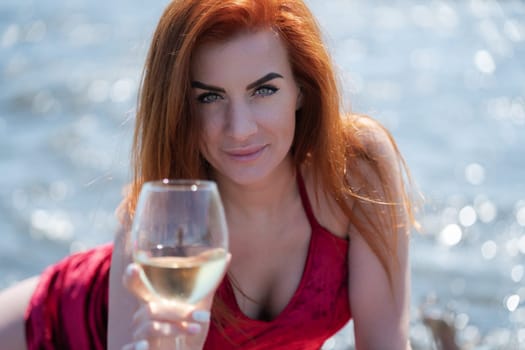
(246, 53)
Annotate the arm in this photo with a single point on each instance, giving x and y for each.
(380, 313)
(13, 303)
(122, 304)
(380, 309)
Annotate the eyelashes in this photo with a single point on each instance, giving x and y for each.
(265, 90)
(208, 97)
(261, 91)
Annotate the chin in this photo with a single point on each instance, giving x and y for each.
(256, 173)
(245, 177)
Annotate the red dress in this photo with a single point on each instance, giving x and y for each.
(69, 307)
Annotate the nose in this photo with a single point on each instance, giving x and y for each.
(241, 120)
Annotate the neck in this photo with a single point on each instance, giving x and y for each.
(264, 199)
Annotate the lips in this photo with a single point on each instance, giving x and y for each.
(246, 153)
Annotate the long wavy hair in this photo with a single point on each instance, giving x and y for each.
(166, 139)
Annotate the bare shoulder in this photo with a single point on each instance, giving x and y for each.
(371, 140)
(375, 167)
(325, 209)
(13, 303)
(373, 170)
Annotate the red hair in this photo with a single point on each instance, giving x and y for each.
(166, 140)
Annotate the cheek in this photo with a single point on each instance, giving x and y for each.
(211, 135)
(283, 115)
(206, 140)
(205, 145)
(212, 123)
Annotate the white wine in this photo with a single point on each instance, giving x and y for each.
(187, 279)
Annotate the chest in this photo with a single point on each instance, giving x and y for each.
(266, 270)
(269, 261)
(318, 309)
(319, 301)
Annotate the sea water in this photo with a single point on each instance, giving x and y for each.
(447, 78)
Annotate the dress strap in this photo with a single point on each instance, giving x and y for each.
(305, 200)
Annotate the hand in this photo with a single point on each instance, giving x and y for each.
(156, 324)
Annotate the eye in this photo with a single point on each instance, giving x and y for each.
(265, 90)
(209, 97)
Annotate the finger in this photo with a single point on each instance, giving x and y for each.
(134, 283)
(144, 325)
(148, 321)
(201, 316)
(156, 329)
(141, 315)
(158, 311)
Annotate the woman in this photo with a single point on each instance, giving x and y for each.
(243, 92)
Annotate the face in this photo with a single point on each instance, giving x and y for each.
(246, 96)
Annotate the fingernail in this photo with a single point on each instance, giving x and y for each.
(201, 316)
(141, 345)
(129, 269)
(193, 328)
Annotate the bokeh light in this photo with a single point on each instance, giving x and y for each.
(484, 62)
(517, 273)
(450, 235)
(467, 216)
(489, 249)
(512, 302)
(475, 173)
(445, 77)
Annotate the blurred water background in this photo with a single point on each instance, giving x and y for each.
(446, 77)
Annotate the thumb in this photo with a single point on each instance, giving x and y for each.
(134, 283)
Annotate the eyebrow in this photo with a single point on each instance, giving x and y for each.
(265, 79)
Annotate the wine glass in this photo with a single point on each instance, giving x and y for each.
(180, 240)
